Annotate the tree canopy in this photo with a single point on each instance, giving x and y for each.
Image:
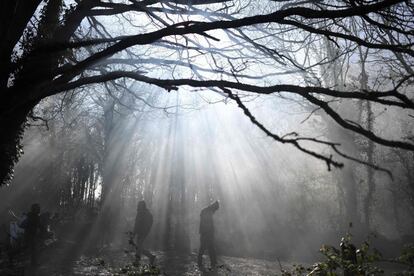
(300, 50)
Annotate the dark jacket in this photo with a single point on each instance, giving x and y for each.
(206, 221)
(31, 226)
(143, 223)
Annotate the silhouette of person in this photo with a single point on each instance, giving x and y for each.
(207, 234)
(31, 232)
(143, 223)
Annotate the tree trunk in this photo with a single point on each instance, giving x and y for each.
(12, 127)
(370, 145)
(370, 171)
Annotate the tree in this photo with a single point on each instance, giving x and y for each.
(49, 47)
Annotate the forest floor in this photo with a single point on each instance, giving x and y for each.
(64, 262)
(118, 262)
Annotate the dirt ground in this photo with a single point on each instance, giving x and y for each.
(58, 262)
(64, 261)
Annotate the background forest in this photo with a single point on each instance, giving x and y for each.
(295, 115)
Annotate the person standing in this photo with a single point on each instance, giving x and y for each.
(31, 232)
(143, 224)
(207, 234)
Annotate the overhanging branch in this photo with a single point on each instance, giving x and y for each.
(308, 92)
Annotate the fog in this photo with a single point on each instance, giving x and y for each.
(275, 202)
(299, 126)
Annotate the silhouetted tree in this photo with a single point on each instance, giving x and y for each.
(48, 47)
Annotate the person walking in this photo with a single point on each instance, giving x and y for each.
(207, 234)
(143, 224)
